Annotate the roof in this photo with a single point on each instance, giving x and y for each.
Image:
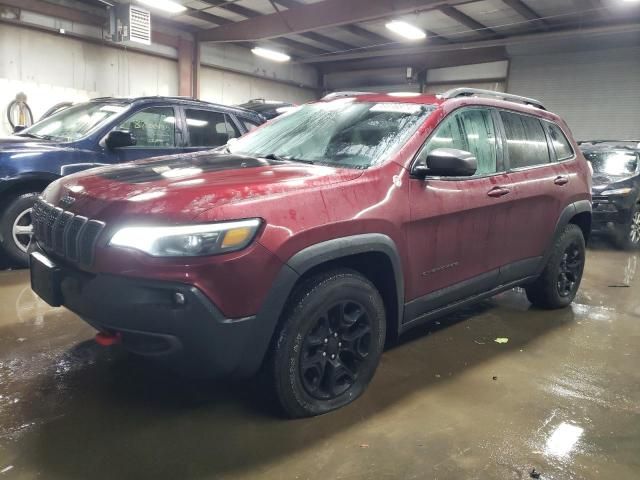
(179, 101)
(430, 99)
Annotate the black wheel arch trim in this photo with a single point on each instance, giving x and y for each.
(569, 212)
(302, 262)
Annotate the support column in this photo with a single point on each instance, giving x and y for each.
(188, 68)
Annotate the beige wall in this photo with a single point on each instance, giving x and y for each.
(51, 69)
(233, 88)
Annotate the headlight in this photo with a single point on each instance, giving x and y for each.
(618, 191)
(188, 240)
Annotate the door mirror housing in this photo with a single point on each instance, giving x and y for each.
(448, 162)
(119, 139)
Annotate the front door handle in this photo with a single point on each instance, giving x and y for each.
(561, 180)
(498, 192)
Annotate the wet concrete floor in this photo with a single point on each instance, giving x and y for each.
(562, 396)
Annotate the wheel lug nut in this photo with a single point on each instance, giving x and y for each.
(333, 356)
(326, 340)
(335, 335)
(339, 344)
(324, 354)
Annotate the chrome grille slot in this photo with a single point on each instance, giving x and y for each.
(67, 235)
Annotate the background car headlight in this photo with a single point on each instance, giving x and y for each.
(617, 191)
(188, 240)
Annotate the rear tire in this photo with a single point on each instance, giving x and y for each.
(16, 228)
(560, 280)
(627, 236)
(328, 344)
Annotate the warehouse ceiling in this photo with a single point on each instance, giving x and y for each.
(350, 34)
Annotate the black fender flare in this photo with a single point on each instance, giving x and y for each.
(302, 262)
(570, 211)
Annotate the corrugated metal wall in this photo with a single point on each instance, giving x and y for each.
(596, 92)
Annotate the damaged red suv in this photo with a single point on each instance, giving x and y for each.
(298, 249)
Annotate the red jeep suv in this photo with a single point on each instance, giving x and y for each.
(298, 249)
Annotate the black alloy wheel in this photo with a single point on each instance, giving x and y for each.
(335, 349)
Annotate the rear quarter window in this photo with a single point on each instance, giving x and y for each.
(560, 143)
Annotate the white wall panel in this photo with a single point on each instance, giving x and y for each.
(597, 91)
(52, 69)
(234, 88)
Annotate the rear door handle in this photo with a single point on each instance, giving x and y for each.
(561, 180)
(498, 192)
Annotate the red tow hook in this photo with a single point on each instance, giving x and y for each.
(106, 339)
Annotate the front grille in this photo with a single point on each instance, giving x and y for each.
(69, 236)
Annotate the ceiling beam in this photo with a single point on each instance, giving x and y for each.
(250, 13)
(587, 32)
(420, 60)
(309, 17)
(207, 17)
(467, 21)
(527, 12)
(300, 47)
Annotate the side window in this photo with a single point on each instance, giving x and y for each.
(526, 141)
(209, 129)
(560, 143)
(471, 130)
(152, 127)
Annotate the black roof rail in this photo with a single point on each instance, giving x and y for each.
(333, 95)
(476, 92)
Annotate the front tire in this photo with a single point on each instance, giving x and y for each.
(560, 280)
(16, 228)
(627, 236)
(328, 345)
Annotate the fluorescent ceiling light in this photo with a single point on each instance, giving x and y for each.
(271, 54)
(406, 30)
(165, 5)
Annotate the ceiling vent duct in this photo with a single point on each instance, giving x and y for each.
(130, 24)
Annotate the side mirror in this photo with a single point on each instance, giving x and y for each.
(119, 139)
(448, 162)
(19, 128)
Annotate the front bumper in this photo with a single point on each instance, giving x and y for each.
(611, 212)
(172, 321)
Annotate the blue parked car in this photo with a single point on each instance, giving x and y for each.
(102, 131)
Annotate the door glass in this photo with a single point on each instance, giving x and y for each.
(209, 129)
(526, 141)
(152, 127)
(560, 143)
(471, 130)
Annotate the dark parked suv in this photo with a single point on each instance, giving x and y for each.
(616, 189)
(102, 131)
(308, 242)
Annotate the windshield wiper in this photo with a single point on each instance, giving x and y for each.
(273, 156)
(30, 135)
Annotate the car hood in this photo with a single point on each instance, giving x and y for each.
(181, 187)
(601, 180)
(17, 144)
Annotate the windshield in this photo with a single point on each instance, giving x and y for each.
(74, 122)
(341, 133)
(617, 163)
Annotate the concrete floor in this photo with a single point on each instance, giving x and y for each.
(562, 396)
